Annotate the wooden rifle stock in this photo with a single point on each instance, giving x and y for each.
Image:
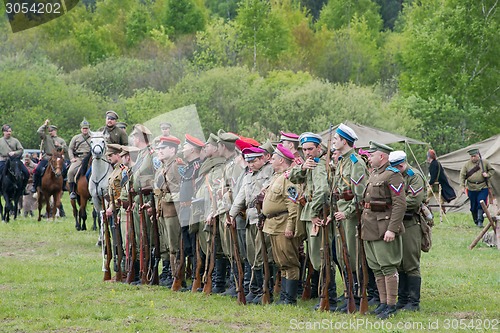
(306, 293)
(197, 278)
(207, 288)
(118, 242)
(155, 249)
(266, 297)
(239, 266)
(179, 272)
(144, 243)
(107, 243)
(363, 305)
(131, 243)
(351, 305)
(324, 303)
(277, 282)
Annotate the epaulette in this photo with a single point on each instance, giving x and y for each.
(393, 169)
(410, 172)
(353, 158)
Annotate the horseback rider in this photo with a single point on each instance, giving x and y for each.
(79, 147)
(11, 147)
(51, 144)
(113, 133)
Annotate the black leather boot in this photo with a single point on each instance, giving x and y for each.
(414, 286)
(474, 217)
(233, 275)
(283, 292)
(291, 292)
(314, 284)
(259, 281)
(389, 311)
(220, 276)
(166, 279)
(480, 217)
(402, 291)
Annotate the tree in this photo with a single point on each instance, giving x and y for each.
(338, 14)
(183, 17)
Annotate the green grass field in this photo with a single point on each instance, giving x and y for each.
(51, 281)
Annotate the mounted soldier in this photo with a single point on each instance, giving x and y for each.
(10, 147)
(112, 133)
(79, 147)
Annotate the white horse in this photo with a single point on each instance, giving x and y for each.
(101, 171)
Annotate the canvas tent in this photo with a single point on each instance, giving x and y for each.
(366, 134)
(454, 161)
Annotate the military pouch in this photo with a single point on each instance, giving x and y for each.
(168, 209)
(347, 195)
(378, 206)
(302, 201)
(426, 243)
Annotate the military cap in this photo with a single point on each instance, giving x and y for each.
(309, 137)
(397, 157)
(250, 141)
(121, 125)
(375, 146)
(213, 139)
(252, 153)
(113, 148)
(165, 125)
(111, 114)
(268, 146)
(473, 151)
(346, 132)
(84, 123)
(140, 129)
(168, 141)
(52, 128)
(195, 142)
(289, 137)
(128, 149)
(284, 152)
(228, 139)
(27, 156)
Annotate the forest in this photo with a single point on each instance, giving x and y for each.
(428, 69)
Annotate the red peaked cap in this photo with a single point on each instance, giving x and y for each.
(194, 141)
(244, 142)
(166, 141)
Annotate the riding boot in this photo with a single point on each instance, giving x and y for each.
(247, 276)
(220, 276)
(314, 284)
(137, 271)
(283, 293)
(332, 294)
(480, 217)
(72, 194)
(291, 292)
(233, 275)
(373, 297)
(414, 286)
(61, 211)
(35, 182)
(259, 279)
(166, 275)
(402, 290)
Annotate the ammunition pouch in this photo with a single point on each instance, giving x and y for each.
(346, 195)
(378, 206)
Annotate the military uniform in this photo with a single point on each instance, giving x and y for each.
(79, 148)
(7, 146)
(384, 209)
(475, 183)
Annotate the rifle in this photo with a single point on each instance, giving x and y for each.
(209, 269)
(197, 278)
(154, 278)
(328, 157)
(306, 293)
(324, 303)
(351, 305)
(266, 297)
(131, 244)
(107, 243)
(277, 282)
(363, 305)
(237, 258)
(179, 272)
(144, 255)
(117, 239)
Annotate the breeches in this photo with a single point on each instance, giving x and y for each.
(384, 258)
(286, 255)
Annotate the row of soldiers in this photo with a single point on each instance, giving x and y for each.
(290, 207)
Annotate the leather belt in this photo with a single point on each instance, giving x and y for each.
(476, 182)
(270, 216)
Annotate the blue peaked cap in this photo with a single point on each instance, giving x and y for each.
(309, 137)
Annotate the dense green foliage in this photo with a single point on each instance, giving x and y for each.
(426, 69)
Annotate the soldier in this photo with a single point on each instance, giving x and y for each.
(165, 131)
(474, 177)
(382, 225)
(166, 185)
(348, 184)
(112, 133)
(29, 203)
(291, 142)
(252, 185)
(79, 147)
(189, 173)
(312, 173)
(122, 125)
(280, 208)
(51, 143)
(269, 150)
(225, 196)
(409, 271)
(10, 147)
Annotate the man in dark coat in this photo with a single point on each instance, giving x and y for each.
(438, 177)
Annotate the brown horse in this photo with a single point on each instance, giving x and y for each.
(51, 185)
(83, 195)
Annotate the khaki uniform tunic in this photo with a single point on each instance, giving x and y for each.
(79, 147)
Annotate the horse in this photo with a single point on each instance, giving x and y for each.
(12, 188)
(101, 171)
(82, 195)
(51, 185)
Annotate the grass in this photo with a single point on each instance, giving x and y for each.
(51, 281)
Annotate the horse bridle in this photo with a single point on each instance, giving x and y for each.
(54, 169)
